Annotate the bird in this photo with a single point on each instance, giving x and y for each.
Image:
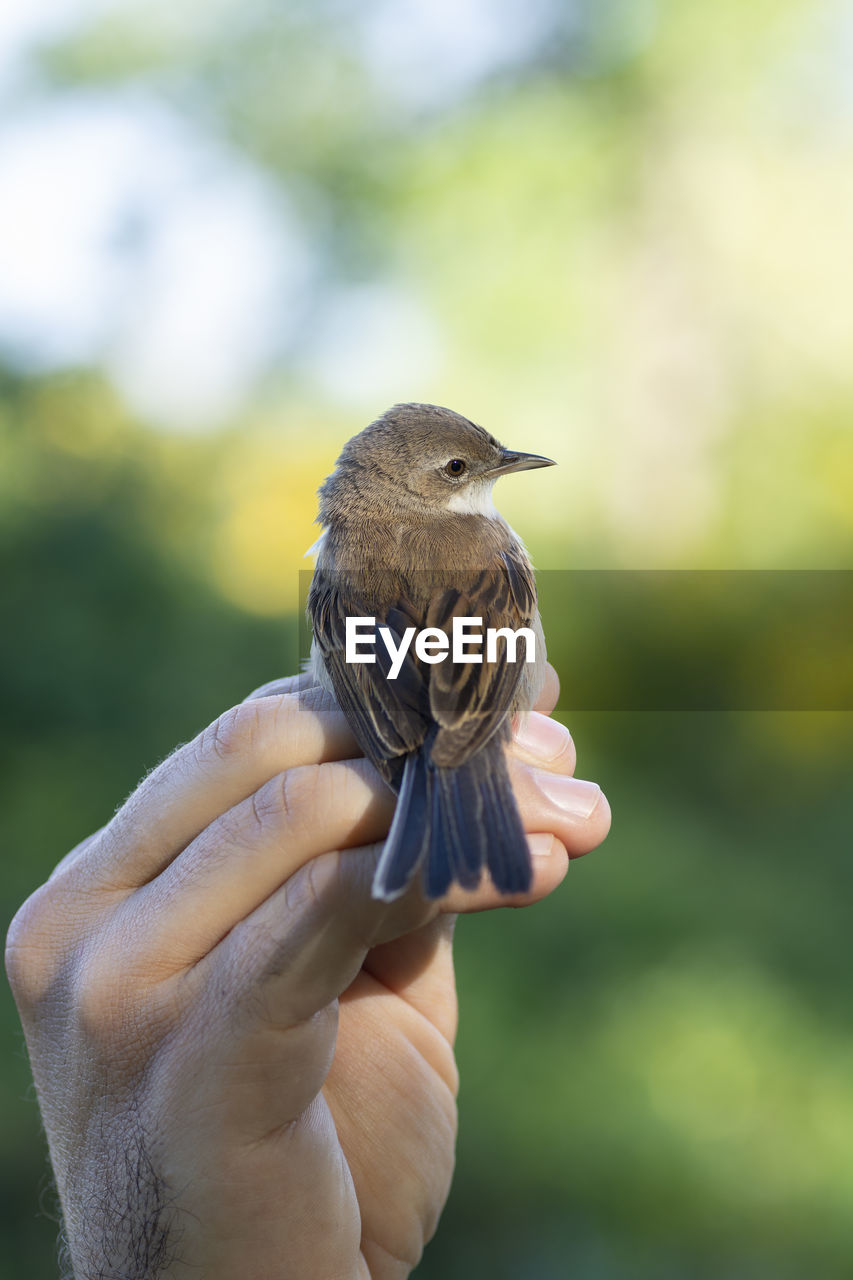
(412, 541)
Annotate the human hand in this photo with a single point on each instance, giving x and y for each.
(244, 1062)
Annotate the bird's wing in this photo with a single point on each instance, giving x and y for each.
(472, 701)
(390, 718)
(466, 702)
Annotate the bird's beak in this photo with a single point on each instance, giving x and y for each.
(512, 461)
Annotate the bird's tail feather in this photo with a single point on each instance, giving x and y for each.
(452, 823)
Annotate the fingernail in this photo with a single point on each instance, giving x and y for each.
(572, 795)
(541, 844)
(542, 736)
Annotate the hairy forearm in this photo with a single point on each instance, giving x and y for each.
(125, 1226)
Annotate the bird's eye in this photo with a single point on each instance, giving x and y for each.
(456, 467)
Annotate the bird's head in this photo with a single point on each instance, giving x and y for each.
(422, 456)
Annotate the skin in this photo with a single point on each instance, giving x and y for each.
(244, 1063)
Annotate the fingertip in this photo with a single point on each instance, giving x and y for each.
(588, 834)
(545, 741)
(549, 859)
(601, 820)
(549, 863)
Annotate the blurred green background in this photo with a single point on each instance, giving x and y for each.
(616, 233)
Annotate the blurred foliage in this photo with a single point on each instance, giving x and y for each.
(637, 227)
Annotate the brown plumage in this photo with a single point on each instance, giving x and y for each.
(412, 539)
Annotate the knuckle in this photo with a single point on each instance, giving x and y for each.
(101, 998)
(321, 877)
(119, 1008)
(329, 877)
(30, 951)
(290, 799)
(231, 734)
(87, 987)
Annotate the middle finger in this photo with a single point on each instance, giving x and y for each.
(250, 851)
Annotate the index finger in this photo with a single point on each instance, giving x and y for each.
(284, 684)
(230, 760)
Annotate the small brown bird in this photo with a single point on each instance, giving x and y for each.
(414, 545)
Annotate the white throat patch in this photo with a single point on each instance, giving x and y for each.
(475, 500)
(314, 550)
